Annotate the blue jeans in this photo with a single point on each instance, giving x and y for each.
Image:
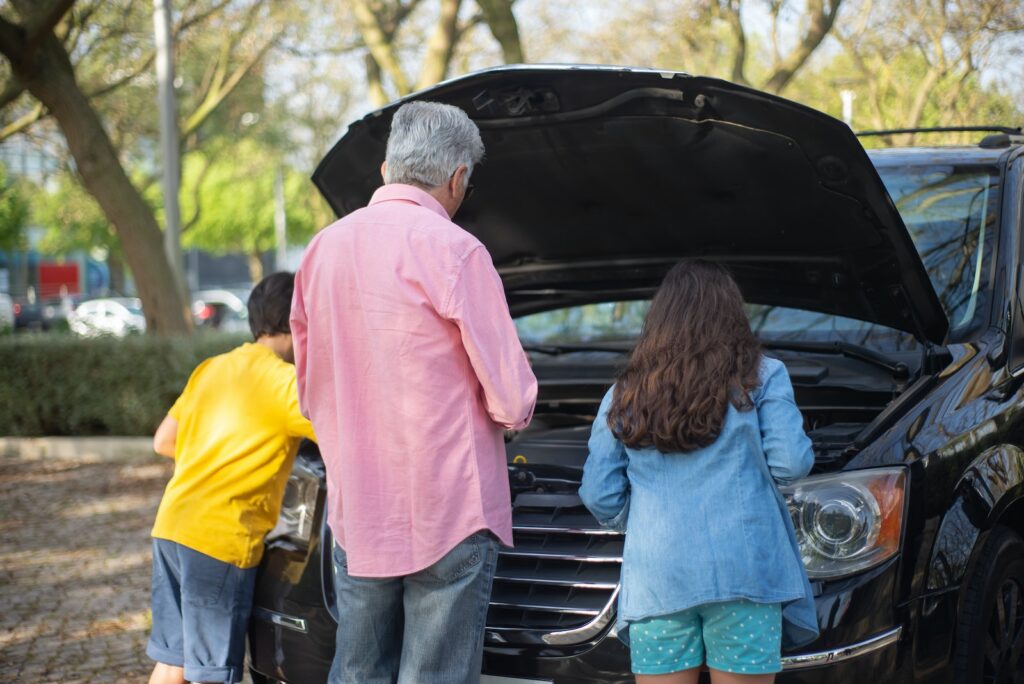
(424, 628)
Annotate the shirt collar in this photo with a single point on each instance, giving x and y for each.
(408, 193)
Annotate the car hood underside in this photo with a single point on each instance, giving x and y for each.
(598, 179)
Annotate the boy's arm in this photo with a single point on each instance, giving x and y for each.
(166, 437)
(297, 425)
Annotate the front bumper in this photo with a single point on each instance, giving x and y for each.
(838, 655)
(850, 663)
(871, 659)
(864, 636)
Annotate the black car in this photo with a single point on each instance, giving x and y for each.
(31, 314)
(888, 282)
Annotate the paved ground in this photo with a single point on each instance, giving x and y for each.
(75, 567)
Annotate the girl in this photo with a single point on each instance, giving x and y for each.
(685, 454)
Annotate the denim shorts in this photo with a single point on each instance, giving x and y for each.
(201, 610)
(739, 636)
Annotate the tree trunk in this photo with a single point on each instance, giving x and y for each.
(49, 76)
(821, 21)
(441, 45)
(921, 97)
(255, 267)
(380, 45)
(502, 22)
(374, 82)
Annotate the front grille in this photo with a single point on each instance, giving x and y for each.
(562, 573)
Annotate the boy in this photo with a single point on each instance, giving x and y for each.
(233, 434)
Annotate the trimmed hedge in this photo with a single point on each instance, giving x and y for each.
(58, 385)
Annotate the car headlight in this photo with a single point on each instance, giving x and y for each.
(298, 506)
(847, 522)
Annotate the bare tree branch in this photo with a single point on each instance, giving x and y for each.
(12, 42)
(141, 68)
(39, 30)
(379, 44)
(11, 91)
(199, 17)
(374, 81)
(822, 18)
(729, 10)
(22, 122)
(217, 95)
(196, 192)
(441, 45)
(504, 27)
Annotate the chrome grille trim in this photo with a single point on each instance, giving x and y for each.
(606, 586)
(559, 584)
(588, 631)
(599, 532)
(562, 557)
(547, 609)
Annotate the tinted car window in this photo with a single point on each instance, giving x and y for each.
(951, 213)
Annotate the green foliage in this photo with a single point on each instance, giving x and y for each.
(55, 385)
(14, 210)
(228, 198)
(71, 219)
(886, 101)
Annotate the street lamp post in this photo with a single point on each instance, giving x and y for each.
(280, 222)
(167, 106)
(847, 96)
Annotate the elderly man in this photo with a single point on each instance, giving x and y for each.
(409, 367)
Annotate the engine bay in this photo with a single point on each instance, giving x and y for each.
(839, 398)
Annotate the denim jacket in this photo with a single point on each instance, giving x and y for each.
(709, 525)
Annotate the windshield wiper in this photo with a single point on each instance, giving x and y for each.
(898, 369)
(557, 349)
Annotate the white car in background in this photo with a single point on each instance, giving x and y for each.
(6, 313)
(117, 316)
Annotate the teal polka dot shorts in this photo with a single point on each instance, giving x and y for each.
(740, 636)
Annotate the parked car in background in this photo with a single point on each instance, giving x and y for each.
(890, 283)
(42, 315)
(6, 313)
(117, 316)
(224, 310)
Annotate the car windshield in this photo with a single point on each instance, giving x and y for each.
(951, 214)
(134, 308)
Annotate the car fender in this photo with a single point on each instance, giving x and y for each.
(992, 483)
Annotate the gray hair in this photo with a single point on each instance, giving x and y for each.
(429, 141)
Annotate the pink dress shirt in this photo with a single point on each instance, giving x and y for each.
(409, 367)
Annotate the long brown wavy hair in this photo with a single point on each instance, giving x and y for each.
(695, 355)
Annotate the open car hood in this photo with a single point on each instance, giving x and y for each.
(597, 179)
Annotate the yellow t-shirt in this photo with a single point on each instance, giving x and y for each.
(239, 427)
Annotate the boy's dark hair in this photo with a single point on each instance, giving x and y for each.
(270, 304)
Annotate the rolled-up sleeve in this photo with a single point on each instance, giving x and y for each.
(787, 447)
(605, 487)
(477, 306)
